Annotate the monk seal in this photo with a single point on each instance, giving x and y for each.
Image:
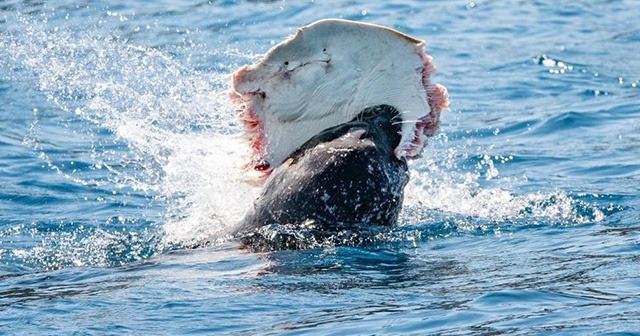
(347, 174)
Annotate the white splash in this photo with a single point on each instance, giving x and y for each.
(176, 122)
(437, 186)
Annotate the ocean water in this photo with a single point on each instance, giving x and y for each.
(119, 150)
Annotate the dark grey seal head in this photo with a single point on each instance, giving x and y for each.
(345, 176)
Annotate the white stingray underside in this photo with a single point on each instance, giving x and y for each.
(326, 74)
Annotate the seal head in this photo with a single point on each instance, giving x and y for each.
(346, 174)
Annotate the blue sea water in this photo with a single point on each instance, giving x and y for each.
(118, 149)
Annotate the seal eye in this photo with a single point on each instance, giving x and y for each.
(286, 63)
(324, 50)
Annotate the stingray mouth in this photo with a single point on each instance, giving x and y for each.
(254, 130)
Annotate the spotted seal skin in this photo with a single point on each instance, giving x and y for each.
(346, 174)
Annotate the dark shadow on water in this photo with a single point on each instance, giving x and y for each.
(336, 269)
(366, 273)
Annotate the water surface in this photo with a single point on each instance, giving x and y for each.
(118, 147)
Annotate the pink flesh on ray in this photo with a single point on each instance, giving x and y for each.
(426, 126)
